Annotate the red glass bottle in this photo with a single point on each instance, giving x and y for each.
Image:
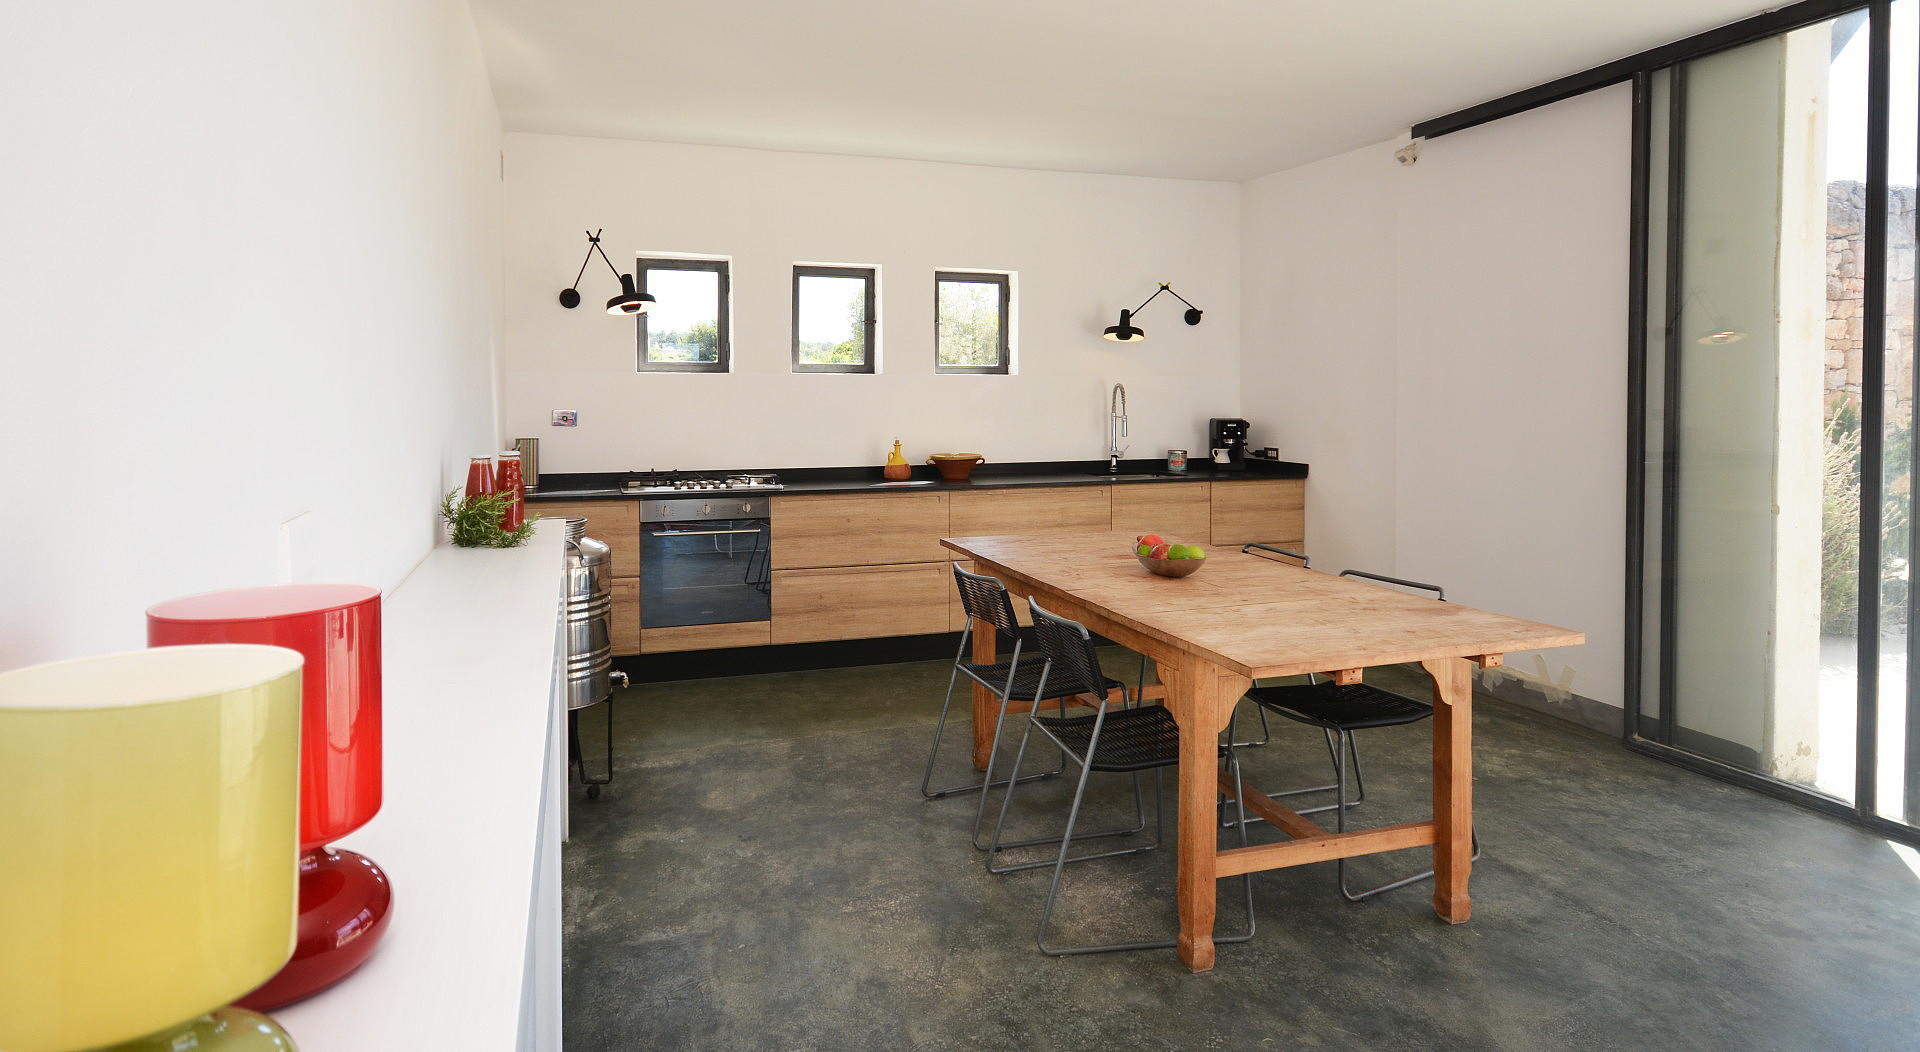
(509, 480)
(480, 476)
(345, 900)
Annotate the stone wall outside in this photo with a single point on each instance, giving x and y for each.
(1846, 284)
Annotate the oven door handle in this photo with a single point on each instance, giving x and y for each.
(698, 533)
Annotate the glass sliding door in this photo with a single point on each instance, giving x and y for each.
(1774, 387)
(1753, 381)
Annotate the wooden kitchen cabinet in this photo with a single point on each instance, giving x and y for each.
(1178, 511)
(1034, 509)
(1270, 511)
(860, 602)
(816, 530)
(625, 622)
(614, 523)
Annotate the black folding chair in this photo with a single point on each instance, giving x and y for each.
(1339, 710)
(1128, 740)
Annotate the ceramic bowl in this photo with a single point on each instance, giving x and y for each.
(956, 467)
(1171, 567)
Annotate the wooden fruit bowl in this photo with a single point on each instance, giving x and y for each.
(1171, 567)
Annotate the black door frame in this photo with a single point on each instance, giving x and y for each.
(1634, 727)
(1638, 70)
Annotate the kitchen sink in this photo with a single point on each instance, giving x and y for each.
(1138, 475)
(894, 485)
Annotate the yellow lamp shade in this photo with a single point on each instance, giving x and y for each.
(149, 829)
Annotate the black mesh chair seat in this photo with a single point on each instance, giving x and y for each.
(1027, 680)
(1130, 739)
(1355, 706)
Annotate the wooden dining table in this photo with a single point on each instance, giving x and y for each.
(1245, 617)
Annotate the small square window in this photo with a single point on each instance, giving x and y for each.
(972, 313)
(685, 330)
(834, 324)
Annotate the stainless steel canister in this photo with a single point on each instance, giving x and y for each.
(529, 461)
(589, 618)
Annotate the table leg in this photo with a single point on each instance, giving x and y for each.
(1452, 786)
(1200, 696)
(986, 704)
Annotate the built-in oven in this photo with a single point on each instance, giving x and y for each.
(705, 560)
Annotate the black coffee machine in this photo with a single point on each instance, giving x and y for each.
(1231, 436)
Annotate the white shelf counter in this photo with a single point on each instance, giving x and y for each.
(473, 813)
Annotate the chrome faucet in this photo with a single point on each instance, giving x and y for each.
(1116, 427)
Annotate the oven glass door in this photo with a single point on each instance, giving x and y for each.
(712, 572)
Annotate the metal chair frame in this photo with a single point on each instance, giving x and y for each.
(1044, 624)
(998, 618)
(1341, 745)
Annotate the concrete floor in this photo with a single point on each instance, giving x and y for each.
(764, 874)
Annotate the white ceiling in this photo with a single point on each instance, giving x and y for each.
(1206, 89)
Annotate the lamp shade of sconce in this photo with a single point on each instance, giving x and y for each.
(149, 808)
(1125, 331)
(630, 300)
(345, 899)
(1128, 332)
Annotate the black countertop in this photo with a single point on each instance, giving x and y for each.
(606, 485)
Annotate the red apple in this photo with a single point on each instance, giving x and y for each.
(1159, 551)
(1151, 539)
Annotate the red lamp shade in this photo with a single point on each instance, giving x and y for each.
(344, 897)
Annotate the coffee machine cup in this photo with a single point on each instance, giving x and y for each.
(1222, 456)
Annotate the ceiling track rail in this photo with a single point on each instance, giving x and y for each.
(1745, 31)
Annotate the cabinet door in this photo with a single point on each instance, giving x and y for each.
(831, 529)
(1178, 511)
(1272, 511)
(614, 523)
(626, 615)
(859, 602)
(1036, 509)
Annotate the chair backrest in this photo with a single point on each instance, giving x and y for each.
(1071, 661)
(1305, 562)
(985, 599)
(1438, 592)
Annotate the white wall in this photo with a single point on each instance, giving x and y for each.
(1446, 346)
(251, 273)
(1084, 246)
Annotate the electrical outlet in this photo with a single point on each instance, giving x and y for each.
(566, 418)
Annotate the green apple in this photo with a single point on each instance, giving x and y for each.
(1186, 551)
(1143, 549)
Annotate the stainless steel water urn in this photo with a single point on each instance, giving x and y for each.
(589, 613)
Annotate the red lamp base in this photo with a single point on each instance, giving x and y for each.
(344, 904)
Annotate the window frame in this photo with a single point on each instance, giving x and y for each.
(723, 342)
(979, 277)
(871, 275)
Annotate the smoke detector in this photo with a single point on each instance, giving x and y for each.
(1408, 154)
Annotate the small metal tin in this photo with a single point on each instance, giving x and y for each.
(1176, 460)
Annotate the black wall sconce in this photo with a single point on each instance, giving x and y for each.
(630, 301)
(1128, 332)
